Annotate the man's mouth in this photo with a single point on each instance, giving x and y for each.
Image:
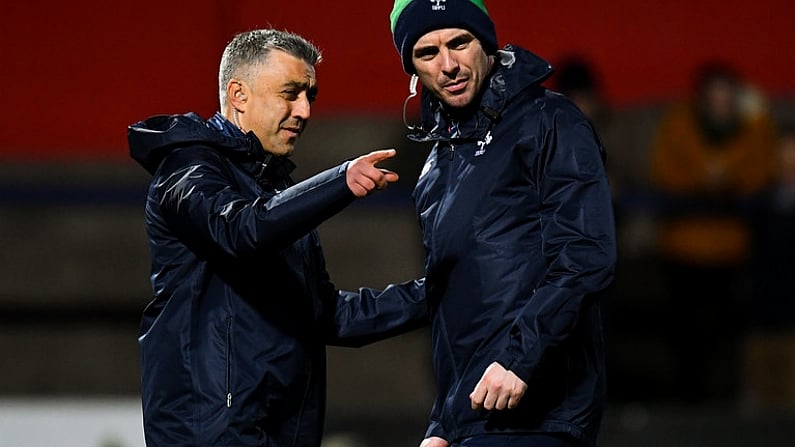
(293, 131)
(456, 86)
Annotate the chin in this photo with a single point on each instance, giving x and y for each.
(287, 151)
(458, 102)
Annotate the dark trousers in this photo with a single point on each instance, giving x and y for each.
(705, 328)
(518, 440)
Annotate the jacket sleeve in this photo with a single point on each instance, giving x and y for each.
(435, 427)
(370, 315)
(578, 239)
(200, 200)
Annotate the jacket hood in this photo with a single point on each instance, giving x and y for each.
(517, 69)
(152, 139)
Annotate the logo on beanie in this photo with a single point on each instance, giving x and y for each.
(437, 5)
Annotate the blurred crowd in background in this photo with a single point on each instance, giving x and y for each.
(705, 206)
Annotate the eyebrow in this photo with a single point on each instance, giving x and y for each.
(311, 91)
(301, 85)
(425, 51)
(459, 39)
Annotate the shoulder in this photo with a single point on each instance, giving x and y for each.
(545, 110)
(560, 106)
(195, 158)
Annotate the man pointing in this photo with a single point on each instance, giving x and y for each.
(233, 343)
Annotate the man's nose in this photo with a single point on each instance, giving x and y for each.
(449, 63)
(302, 108)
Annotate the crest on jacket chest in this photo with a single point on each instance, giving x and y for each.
(482, 144)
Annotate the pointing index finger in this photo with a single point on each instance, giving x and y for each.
(377, 156)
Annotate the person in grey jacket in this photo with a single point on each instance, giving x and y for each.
(233, 343)
(515, 210)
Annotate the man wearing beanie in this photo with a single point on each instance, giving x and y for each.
(515, 210)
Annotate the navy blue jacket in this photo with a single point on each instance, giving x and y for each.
(516, 216)
(233, 343)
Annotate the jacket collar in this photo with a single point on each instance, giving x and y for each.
(517, 69)
(262, 164)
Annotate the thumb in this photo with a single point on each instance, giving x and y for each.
(390, 176)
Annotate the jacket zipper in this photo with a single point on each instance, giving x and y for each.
(229, 362)
(303, 407)
(444, 193)
(454, 133)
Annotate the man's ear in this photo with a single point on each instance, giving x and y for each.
(237, 94)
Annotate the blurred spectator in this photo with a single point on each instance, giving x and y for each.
(773, 263)
(576, 78)
(710, 155)
(770, 345)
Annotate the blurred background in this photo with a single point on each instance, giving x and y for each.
(694, 101)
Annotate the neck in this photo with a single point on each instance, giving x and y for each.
(233, 116)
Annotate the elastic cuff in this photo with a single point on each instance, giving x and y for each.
(435, 429)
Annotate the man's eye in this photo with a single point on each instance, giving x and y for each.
(459, 44)
(425, 55)
(291, 95)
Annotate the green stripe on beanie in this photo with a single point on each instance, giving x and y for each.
(401, 4)
(411, 19)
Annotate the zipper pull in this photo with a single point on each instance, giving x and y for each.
(229, 400)
(455, 132)
(262, 169)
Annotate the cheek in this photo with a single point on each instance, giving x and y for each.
(428, 81)
(426, 73)
(484, 65)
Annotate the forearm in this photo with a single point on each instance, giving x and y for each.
(203, 205)
(543, 324)
(581, 268)
(369, 315)
(301, 208)
(578, 245)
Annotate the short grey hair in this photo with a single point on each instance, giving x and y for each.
(249, 49)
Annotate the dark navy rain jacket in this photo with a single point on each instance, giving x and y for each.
(233, 343)
(516, 215)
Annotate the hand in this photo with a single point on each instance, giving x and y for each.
(363, 176)
(498, 389)
(434, 441)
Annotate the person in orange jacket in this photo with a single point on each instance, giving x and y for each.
(710, 156)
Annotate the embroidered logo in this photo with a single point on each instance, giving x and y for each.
(482, 144)
(437, 5)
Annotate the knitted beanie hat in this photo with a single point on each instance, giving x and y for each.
(411, 19)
